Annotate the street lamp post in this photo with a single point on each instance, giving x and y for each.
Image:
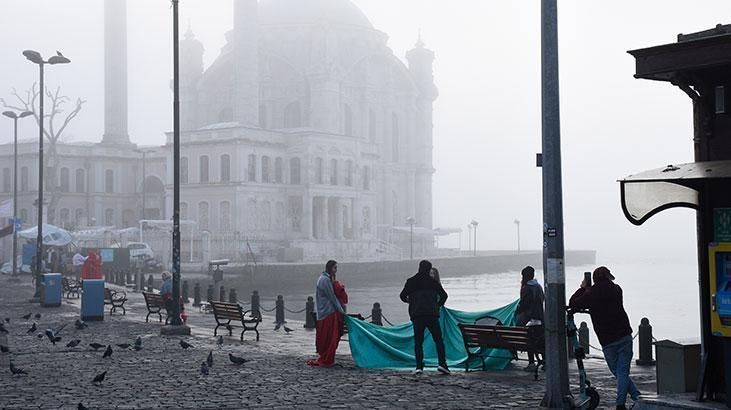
(12, 115)
(469, 238)
(411, 221)
(517, 226)
(144, 176)
(474, 224)
(35, 58)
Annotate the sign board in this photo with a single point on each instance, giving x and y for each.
(722, 225)
(107, 255)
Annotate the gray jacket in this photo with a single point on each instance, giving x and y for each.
(325, 298)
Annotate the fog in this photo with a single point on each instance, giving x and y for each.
(487, 118)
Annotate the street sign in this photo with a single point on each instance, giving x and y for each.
(722, 224)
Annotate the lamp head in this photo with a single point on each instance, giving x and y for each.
(58, 60)
(33, 56)
(10, 114)
(474, 223)
(25, 114)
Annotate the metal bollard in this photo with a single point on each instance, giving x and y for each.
(209, 293)
(138, 281)
(150, 283)
(128, 277)
(255, 304)
(222, 294)
(184, 291)
(279, 316)
(376, 317)
(584, 337)
(310, 316)
(645, 343)
(232, 297)
(197, 294)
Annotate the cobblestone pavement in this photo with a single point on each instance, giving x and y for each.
(163, 375)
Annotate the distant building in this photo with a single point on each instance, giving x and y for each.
(307, 136)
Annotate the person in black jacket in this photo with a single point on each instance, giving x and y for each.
(611, 325)
(529, 311)
(425, 297)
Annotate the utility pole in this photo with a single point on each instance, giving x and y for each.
(557, 380)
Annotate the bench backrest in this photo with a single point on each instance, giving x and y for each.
(153, 299)
(226, 311)
(503, 337)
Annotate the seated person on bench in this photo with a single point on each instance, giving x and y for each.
(166, 290)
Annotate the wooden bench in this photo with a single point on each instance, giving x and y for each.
(70, 287)
(511, 338)
(224, 313)
(155, 304)
(116, 299)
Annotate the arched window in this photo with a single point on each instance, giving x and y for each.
(65, 182)
(394, 138)
(278, 172)
(263, 120)
(203, 169)
(294, 171)
(252, 168)
(366, 178)
(225, 216)
(347, 120)
(333, 171)
(109, 217)
(78, 216)
(80, 181)
(319, 165)
(109, 181)
(293, 115)
(367, 220)
(63, 217)
(371, 126)
(183, 211)
(183, 170)
(203, 216)
(225, 168)
(349, 173)
(266, 173)
(24, 179)
(6, 180)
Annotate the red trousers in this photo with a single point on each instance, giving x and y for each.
(327, 339)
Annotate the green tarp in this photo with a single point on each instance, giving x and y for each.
(374, 346)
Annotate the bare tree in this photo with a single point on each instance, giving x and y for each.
(55, 112)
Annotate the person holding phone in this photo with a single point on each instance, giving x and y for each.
(611, 325)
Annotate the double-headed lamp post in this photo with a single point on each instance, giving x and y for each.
(517, 226)
(474, 224)
(469, 239)
(14, 116)
(411, 221)
(35, 58)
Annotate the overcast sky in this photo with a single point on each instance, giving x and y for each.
(487, 117)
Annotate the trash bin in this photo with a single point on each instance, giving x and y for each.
(92, 299)
(678, 364)
(51, 290)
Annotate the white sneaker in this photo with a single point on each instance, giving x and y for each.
(443, 370)
(418, 371)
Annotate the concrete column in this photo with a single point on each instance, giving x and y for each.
(339, 222)
(412, 196)
(356, 215)
(115, 72)
(307, 216)
(325, 220)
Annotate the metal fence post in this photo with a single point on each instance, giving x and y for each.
(376, 318)
(279, 314)
(310, 315)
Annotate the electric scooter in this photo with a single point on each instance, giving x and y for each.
(588, 396)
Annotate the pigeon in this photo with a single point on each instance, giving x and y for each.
(277, 326)
(82, 407)
(40, 335)
(236, 360)
(3, 329)
(16, 370)
(288, 330)
(185, 345)
(51, 336)
(108, 352)
(209, 359)
(99, 378)
(204, 369)
(123, 345)
(26, 317)
(80, 324)
(220, 341)
(4, 349)
(7, 320)
(73, 343)
(32, 328)
(38, 316)
(138, 343)
(96, 346)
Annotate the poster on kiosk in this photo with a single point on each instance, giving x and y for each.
(719, 255)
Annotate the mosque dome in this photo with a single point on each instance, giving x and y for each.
(297, 12)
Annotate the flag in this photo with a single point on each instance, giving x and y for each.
(6, 208)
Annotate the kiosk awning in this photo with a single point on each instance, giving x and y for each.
(647, 193)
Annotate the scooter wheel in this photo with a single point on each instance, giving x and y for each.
(593, 398)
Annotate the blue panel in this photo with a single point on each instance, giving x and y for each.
(92, 299)
(51, 290)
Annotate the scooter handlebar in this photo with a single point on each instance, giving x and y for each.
(571, 311)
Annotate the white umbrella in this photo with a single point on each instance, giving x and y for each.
(52, 235)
